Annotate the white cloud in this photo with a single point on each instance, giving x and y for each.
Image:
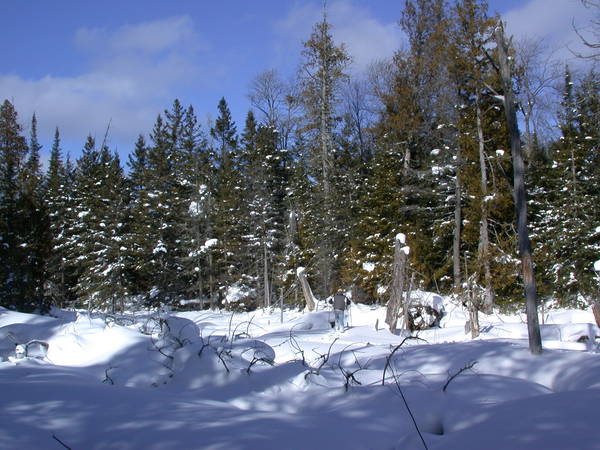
(149, 37)
(133, 72)
(366, 38)
(552, 22)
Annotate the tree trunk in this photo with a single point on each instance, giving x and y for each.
(266, 283)
(596, 311)
(484, 240)
(211, 281)
(528, 135)
(199, 286)
(407, 302)
(397, 288)
(457, 223)
(533, 326)
(473, 319)
(308, 295)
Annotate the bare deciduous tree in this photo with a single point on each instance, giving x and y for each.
(277, 102)
(537, 76)
(590, 36)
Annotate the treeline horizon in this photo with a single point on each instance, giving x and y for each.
(324, 173)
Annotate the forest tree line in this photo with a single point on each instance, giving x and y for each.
(324, 173)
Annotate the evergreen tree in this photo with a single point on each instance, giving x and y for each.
(33, 224)
(160, 234)
(226, 228)
(196, 169)
(224, 130)
(486, 237)
(96, 245)
(60, 280)
(409, 128)
(565, 206)
(380, 218)
(13, 151)
(323, 70)
(266, 177)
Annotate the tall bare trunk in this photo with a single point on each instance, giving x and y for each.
(474, 319)
(528, 135)
(457, 223)
(407, 302)
(533, 326)
(211, 282)
(484, 240)
(406, 165)
(198, 272)
(266, 276)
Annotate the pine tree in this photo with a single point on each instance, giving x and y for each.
(323, 70)
(57, 194)
(567, 242)
(33, 224)
(380, 218)
(196, 169)
(13, 151)
(96, 244)
(265, 168)
(160, 233)
(410, 129)
(224, 130)
(486, 237)
(228, 208)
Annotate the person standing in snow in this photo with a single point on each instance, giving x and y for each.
(340, 303)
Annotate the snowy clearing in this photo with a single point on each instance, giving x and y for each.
(248, 381)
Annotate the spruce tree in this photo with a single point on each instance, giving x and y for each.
(227, 226)
(33, 224)
(486, 237)
(323, 70)
(196, 169)
(57, 199)
(159, 237)
(568, 242)
(97, 238)
(266, 168)
(13, 151)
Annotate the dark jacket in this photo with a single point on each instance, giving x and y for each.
(339, 301)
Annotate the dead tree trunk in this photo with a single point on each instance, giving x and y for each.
(267, 286)
(407, 302)
(457, 224)
(484, 239)
(473, 312)
(397, 288)
(533, 326)
(308, 295)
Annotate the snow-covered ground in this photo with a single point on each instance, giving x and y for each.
(249, 381)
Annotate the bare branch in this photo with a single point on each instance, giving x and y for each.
(465, 368)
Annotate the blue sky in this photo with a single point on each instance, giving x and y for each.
(79, 64)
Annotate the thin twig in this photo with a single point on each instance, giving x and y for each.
(409, 410)
(389, 358)
(61, 442)
(467, 367)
